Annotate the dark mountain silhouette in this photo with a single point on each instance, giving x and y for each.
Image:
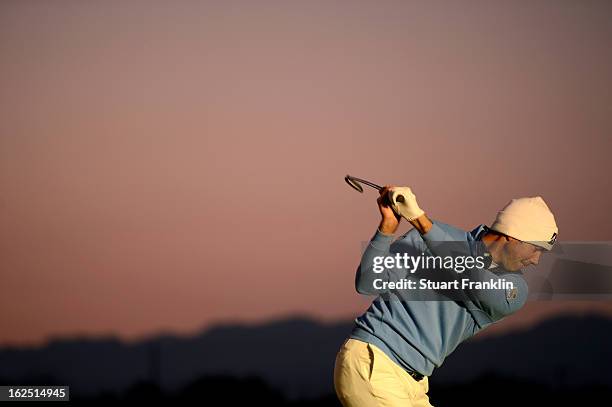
(296, 356)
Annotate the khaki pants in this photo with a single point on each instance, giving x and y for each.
(365, 376)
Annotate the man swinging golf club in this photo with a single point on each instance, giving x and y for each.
(396, 344)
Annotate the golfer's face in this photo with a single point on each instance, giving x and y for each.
(521, 254)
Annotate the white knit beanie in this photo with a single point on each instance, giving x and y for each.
(529, 220)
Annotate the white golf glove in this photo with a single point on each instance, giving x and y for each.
(409, 209)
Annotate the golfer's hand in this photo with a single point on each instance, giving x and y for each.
(408, 208)
(390, 220)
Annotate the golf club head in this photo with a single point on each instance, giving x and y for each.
(349, 180)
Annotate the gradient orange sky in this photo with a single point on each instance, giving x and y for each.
(168, 165)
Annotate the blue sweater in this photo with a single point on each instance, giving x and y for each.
(419, 334)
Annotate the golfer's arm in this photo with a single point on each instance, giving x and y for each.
(439, 240)
(364, 277)
(423, 224)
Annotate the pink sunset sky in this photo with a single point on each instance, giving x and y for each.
(169, 165)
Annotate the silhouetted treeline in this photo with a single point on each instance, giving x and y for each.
(219, 390)
(296, 357)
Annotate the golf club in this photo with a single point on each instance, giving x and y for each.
(356, 183)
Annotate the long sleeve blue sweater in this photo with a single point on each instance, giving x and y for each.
(418, 334)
